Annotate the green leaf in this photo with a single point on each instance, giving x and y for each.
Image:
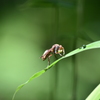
(95, 95)
(83, 48)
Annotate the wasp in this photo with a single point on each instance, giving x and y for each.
(55, 49)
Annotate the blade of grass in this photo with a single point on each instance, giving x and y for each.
(87, 47)
(30, 79)
(95, 95)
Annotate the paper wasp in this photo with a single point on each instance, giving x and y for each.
(55, 49)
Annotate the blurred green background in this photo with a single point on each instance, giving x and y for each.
(28, 28)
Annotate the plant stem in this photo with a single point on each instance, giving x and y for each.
(75, 71)
(55, 71)
(78, 30)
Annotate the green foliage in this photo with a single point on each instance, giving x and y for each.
(95, 95)
(83, 48)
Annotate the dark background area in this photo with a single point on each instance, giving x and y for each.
(28, 28)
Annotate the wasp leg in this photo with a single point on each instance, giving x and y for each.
(49, 59)
(63, 51)
(60, 54)
(55, 56)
